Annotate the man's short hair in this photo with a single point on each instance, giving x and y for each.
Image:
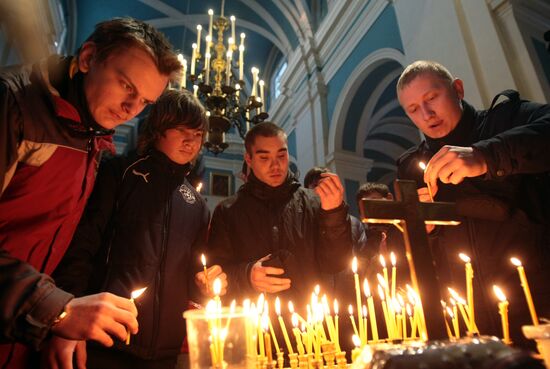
(174, 108)
(368, 188)
(264, 129)
(311, 180)
(122, 33)
(421, 67)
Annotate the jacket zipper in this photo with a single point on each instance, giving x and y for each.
(160, 272)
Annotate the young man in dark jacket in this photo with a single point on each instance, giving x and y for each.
(143, 227)
(274, 236)
(495, 163)
(55, 117)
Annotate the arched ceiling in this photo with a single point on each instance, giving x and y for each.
(272, 27)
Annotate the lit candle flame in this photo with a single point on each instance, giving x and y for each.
(294, 320)
(291, 307)
(381, 280)
(364, 311)
(409, 310)
(335, 307)
(382, 261)
(217, 287)
(515, 261)
(392, 258)
(366, 288)
(450, 312)
(456, 296)
(203, 260)
(350, 310)
(465, 258)
(381, 293)
(498, 292)
(317, 289)
(199, 187)
(136, 293)
(356, 340)
(400, 299)
(354, 265)
(422, 165)
(278, 306)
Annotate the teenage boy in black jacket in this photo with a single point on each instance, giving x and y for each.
(143, 227)
(496, 160)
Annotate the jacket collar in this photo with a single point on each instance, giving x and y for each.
(176, 170)
(263, 191)
(463, 133)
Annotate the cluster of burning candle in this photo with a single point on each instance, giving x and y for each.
(317, 335)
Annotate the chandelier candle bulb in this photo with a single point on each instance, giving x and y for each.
(503, 311)
(211, 19)
(261, 83)
(228, 68)
(134, 295)
(207, 65)
(526, 290)
(208, 44)
(255, 72)
(193, 58)
(232, 18)
(199, 29)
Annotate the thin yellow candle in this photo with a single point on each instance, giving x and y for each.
(459, 301)
(423, 166)
(386, 279)
(372, 312)
(282, 325)
(336, 325)
(393, 273)
(328, 319)
(357, 293)
(449, 333)
(469, 287)
(297, 334)
(275, 342)
(455, 321)
(389, 327)
(134, 295)
(203, 261)
(357, 350)
(526, 290)
(351, 317)
(267, 340)
(403, 315)
(365, 336)
(411, 320)
(503, 311)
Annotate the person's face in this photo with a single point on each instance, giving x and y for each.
(269, 160)
(180, 144)
(433, 104)
(119, 87)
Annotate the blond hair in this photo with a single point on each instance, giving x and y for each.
(422, 67)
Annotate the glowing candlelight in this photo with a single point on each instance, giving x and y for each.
(193, 58)
(469, 289)
(283, 326)
(297, 334)
(456, 298)
(255, 72)
(526, 290)
(232, 19)
(210, 16)
(365, 336)
(203, 261)
(241, 57)
(261, 83)
(134, 295)
(183, 62)
(503, 311)
(228, 67)
(444, 306)
(454, 319)
(423, 166)
(357, 350)
(393, 274)
(267, 338)
(386, 279)
(208, 44)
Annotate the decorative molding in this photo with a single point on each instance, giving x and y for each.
(349, 166)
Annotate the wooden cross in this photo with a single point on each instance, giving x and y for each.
(414, 215)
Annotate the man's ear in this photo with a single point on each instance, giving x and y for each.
(86, 55)
(458, 86)
(248, 160)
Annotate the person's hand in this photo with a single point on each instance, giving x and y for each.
(58, 354)
(205, 282)
(330, 190)
(451, 164)
(262, 280)
(98, 317)
(424, 196)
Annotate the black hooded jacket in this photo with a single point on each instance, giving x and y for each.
(141, 228)
(286, 221)
(505, 211)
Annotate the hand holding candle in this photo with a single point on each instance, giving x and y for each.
(204, 278)
(423, 166)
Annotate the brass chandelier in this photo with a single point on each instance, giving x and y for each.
(217, 79)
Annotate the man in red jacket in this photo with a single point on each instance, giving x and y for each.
(55, 118)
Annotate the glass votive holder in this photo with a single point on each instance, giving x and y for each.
(223, 339)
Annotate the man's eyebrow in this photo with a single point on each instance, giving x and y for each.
(129, 81)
